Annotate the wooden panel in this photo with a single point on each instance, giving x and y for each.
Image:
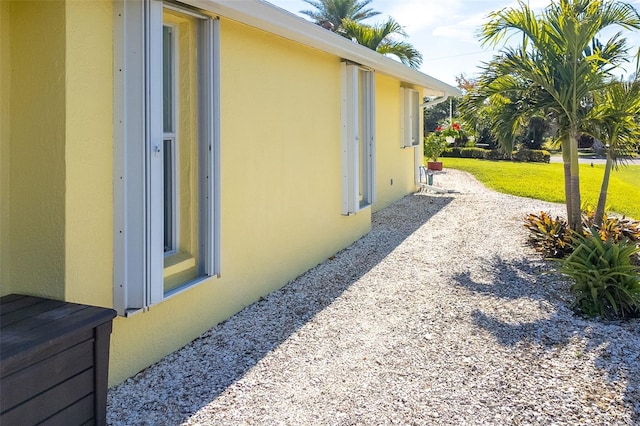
(50, 402)
(102, 337)
(41, 337)
(14, 302)
(16, 363)
(54, 359)
(43, 375)
(81, 412)
(30, 315)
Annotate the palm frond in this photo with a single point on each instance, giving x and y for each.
(380, 37)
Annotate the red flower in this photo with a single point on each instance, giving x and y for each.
(439, 129)
(456, 127)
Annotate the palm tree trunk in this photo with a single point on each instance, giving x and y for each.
(575, 219)
(602, 199)
(566, 159)
(567, 189)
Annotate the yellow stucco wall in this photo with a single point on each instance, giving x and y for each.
(89, 152)
(34, 235)
(281, 170)
(5, 85)
(395, 176)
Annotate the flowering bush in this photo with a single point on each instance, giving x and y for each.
(450, 131)
(434, 145)
(441, 140)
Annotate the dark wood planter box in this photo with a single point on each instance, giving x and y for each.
(54, 361)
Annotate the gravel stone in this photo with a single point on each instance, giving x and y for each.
(440, 315)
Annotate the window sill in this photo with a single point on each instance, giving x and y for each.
(178, 263)
(411, 146)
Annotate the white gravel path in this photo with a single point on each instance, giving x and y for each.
(439, 316)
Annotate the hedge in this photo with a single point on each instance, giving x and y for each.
(524, 155)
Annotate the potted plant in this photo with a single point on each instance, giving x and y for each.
(438, 142)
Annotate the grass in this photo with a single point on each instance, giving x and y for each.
(546, 182)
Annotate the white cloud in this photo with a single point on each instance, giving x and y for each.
(465, 30)
(416, 15)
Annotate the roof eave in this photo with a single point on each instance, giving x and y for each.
(267, 17)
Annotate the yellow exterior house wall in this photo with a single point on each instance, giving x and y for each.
(89, 153)
(281, 171)
(395, 167)
(57, 144)
(5, 121)
(281, 166)
(33, 136)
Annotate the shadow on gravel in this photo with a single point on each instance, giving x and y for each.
(523, 280)
(190, 378)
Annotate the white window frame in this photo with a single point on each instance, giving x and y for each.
(357, 104)
(411, 131)
(138, 160)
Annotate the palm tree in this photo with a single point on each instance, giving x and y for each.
(559, 64)
(335, 11)
(505, 112)
(614, 120)
(380, 38)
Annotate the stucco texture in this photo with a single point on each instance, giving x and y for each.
(33, 89)
(280, 170)
(395, 175)
(281, 177)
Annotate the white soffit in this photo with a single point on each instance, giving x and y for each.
(265, 16)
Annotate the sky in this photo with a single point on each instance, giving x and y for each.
(445, 31)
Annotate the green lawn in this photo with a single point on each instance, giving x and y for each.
(546, 181)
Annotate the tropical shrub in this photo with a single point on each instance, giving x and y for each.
(533, 137)
(434, 146)
(549, 236)
(525, 155)
(552, 237)
(605, 282)
(532, 155)
(615, 228)
(452, 152)
(497, 154)
(446, 136)
(473, 153)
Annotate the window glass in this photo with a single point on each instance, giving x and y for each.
(182, 187)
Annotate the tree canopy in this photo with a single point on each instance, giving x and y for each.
(335, 11)
(344, 17)
(559, 64)
(380, 37)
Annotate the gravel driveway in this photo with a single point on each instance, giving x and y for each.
(439, 316)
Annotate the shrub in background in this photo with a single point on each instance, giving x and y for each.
(473, 153)
(526, 155)
(496, 154)
(533, 155)
(453, 152)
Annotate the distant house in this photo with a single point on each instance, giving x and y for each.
(177, 161)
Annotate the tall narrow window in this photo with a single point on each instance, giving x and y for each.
(182, 183)
(167, 209)
(358, 138)
(169, 138)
